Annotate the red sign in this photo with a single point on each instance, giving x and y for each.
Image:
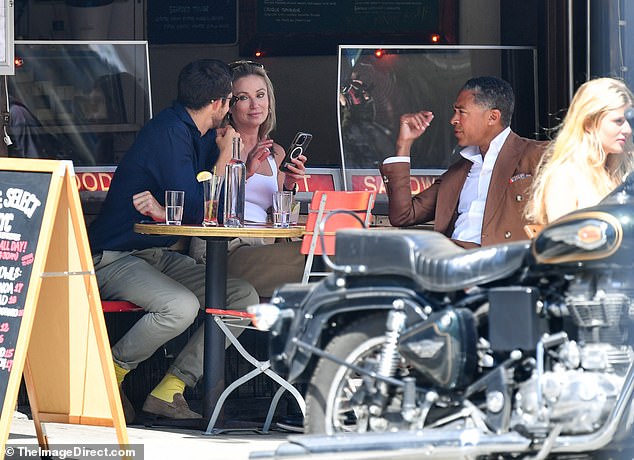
(99, 181)
(94, 181)
(312, 182)
(375, 183)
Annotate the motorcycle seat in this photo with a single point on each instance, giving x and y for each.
(428, 257)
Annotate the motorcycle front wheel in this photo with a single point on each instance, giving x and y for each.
(330, 404)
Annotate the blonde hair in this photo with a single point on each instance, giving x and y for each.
(578, 147)
(243, 69)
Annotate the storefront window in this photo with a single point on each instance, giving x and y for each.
(378, 84)
(78, 101)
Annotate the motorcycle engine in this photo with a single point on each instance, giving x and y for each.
(582, 378)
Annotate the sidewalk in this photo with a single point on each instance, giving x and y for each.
(159, 442)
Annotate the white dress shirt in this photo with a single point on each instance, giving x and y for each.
(474, 193)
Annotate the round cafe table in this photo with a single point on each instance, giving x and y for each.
(217, 239)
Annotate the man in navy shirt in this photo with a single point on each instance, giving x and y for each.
(167, 154)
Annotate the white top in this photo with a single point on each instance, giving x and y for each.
(474, 193)
(258, 195)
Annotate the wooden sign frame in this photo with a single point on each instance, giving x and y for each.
(62, 346)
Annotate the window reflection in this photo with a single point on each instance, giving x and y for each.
(78, 101)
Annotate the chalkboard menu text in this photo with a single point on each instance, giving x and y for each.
(22, 198)
(52, 331)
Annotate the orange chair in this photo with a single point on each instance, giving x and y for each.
(323, 212)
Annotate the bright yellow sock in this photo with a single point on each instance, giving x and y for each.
(168, 387)
(120, 373)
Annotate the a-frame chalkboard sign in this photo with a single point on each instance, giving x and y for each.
(52, 329)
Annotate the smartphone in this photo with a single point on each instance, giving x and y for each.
(225, 121)
(297, 148)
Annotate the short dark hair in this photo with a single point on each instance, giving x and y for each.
(201, 81)
(493, 93)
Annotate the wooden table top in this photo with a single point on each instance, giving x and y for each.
(254, 231)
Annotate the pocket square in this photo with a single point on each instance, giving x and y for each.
(519, 176)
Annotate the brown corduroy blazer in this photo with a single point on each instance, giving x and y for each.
(507, 196)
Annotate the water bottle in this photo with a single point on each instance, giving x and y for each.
(235, 181)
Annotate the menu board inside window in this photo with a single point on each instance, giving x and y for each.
(194, 21)
(6, 37)
(295, 27)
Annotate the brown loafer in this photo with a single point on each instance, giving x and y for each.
(177, 409)
(128, 409)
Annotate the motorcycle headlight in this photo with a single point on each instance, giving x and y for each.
(265, 315)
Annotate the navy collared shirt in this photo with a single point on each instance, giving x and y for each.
(166, 155)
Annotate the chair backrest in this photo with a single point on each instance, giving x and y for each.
(323, 203)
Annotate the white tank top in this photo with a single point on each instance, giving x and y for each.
(258, 195)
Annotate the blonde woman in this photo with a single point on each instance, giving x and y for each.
(252, 115)
(591, 154)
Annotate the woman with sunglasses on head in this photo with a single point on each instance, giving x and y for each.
(591, 154)
(252, 114)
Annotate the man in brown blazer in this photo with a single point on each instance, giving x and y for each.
(480, 199)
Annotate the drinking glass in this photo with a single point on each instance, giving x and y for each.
(212, 188)
(282, 204)
(174, 202)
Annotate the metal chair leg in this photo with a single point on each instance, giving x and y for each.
(284, 385)
(261, 367)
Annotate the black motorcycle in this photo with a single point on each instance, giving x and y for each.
(514, 350)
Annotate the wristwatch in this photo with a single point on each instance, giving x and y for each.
(294, 189)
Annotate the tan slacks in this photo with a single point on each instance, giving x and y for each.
(263, 263)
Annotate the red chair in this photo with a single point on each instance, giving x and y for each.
(358, 203)
(119, 306)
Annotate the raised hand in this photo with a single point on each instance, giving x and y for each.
(260, 151)
(412, 126)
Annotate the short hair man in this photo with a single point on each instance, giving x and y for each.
(480, 199)
(168, 152)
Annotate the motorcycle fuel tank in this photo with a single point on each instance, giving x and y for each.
(590, 236)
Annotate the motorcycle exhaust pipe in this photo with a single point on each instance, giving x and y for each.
(441, 444)
(425, 444)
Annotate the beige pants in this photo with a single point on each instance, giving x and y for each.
(263, 263)
(171, 288)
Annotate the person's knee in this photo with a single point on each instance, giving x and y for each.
(241, 294)
(183, 310)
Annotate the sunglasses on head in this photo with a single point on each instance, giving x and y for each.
(232, 100)
(236, 64)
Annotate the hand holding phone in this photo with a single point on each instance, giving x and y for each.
(297, 148)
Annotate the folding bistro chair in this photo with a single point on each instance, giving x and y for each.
(359, 203)
(237, 318)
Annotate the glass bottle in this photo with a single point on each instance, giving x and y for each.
(235, 182)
